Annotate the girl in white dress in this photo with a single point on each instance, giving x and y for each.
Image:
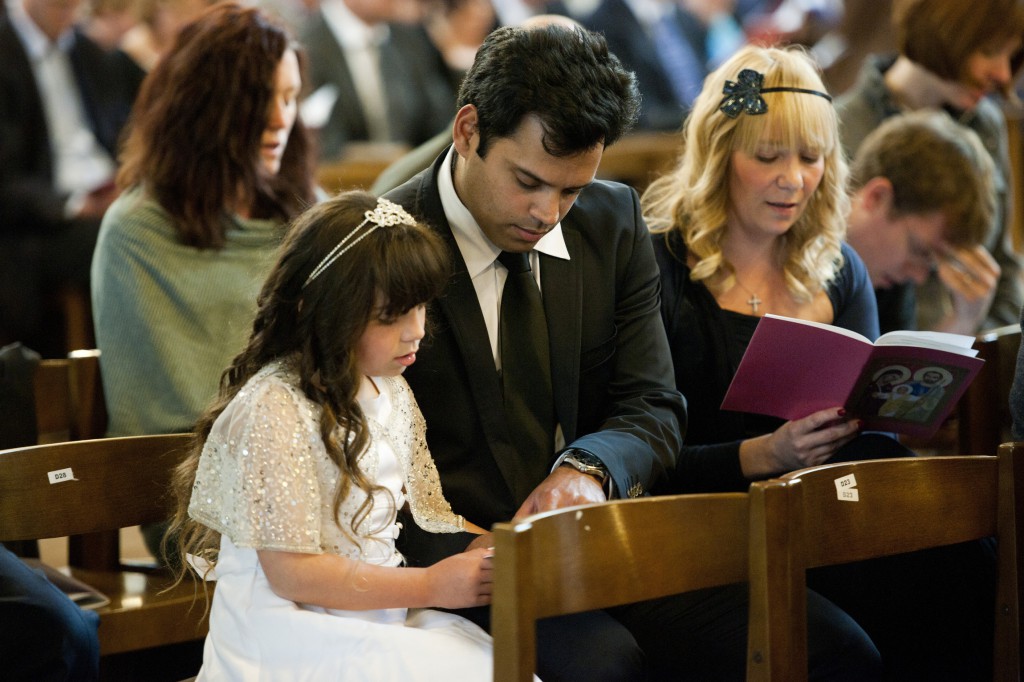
(289, 501)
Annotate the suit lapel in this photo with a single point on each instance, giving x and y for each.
(460, 310)
(18, 78)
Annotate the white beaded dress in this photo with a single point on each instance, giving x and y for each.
(265, 481)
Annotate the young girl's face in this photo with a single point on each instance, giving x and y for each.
(387, 347)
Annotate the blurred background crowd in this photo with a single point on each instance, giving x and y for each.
(379, 77)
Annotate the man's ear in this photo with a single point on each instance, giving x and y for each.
(876, 196)
(465, 131)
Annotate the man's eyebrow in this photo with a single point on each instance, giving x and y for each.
(536, 178)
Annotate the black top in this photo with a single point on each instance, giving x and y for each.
(707, 343)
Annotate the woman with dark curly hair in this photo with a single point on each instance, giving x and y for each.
(215, 164)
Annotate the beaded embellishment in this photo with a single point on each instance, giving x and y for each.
(386, 214)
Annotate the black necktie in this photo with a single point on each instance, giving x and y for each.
(526, 361)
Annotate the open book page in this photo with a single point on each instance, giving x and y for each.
(793, 368)
(951, 343)
(830, 328)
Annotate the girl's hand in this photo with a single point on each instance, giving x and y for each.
(462, 580)
(798, 444)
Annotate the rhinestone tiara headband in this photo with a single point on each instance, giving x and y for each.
(744, 95)
(385, 214)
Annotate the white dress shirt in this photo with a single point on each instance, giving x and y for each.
(487, 274)
(361, 44)
(81, 164)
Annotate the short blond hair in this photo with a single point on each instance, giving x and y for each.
(694, 197)
(934, 165)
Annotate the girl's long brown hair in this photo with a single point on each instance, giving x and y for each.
(402, 266)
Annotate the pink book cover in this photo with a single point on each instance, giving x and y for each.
(793, 368)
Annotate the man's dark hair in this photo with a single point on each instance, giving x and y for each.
(565, 76)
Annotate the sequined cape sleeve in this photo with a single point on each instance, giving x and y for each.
(256, 481)
(427, 502)
(265, 481)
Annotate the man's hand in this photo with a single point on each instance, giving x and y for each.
(971, 275)
(564, 487)
(97, 201)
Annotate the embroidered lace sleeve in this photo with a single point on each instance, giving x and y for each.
(430, 509)
(257, 477)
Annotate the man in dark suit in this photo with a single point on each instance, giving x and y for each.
(398, 89)
(536, 111)
(63, 103)
(665, 46)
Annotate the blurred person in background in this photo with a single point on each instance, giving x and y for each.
(922, 189)
(63, 102)
(159, 23)
(952, 55)
(665, 46)
(107, 21)
(216, 163)
(375, 75)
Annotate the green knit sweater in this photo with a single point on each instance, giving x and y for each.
(169, 317)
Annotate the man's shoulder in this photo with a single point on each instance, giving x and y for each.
(411, 189)
(12, 53)
(112, 67)
(419, 195)
(605, 201)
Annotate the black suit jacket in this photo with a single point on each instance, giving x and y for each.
(610, 362)
(420, 95)
(107, 84)
(629, 41)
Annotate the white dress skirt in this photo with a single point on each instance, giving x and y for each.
(257, 636)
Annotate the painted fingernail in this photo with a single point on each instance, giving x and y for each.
(842, 412)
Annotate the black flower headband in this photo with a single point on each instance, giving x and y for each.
(744, 95)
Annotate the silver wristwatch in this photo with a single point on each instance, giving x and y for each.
(586, 463)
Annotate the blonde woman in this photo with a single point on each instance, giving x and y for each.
(751, 222)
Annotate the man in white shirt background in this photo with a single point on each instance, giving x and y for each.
(63, 103)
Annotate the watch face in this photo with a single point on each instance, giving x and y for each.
(587, 459)
(587, 464)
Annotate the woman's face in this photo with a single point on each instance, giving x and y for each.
(769, 190)
(281, 112)
(985, 71)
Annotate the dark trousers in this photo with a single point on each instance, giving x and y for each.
(44, 636)
(931, 613)
(699, 636)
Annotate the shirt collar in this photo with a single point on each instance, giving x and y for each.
(649, 12)
(352, 32)
(477, 250)
(37, 44)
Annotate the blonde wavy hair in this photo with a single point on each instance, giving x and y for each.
(694, 197)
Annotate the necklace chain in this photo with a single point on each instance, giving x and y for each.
(754, 301)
